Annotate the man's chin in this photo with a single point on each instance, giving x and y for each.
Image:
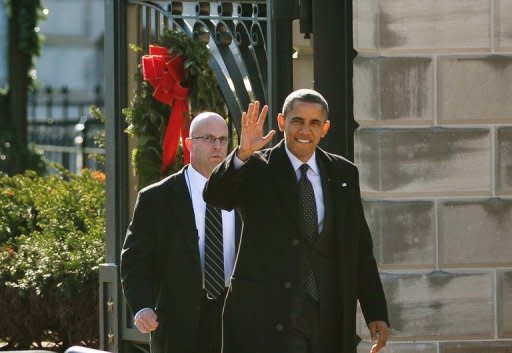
(303, 152)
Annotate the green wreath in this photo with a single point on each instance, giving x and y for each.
(147, 118)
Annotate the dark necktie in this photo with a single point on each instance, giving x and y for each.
(213, 252)
(309, 214)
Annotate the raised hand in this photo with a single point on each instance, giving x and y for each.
(251, 136)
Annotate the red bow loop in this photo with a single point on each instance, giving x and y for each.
(165, 73)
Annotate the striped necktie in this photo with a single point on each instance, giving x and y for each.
(213, 252)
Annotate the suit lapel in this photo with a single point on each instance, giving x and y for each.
(285, 181)
(325, 177)
(238, 228)
(335, 187)
(179, 195)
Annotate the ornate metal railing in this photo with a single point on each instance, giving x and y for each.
(62, 128)
(236, 34)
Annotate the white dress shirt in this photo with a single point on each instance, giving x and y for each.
(195, 183)
(313, 175)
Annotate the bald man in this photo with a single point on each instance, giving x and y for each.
(171, 280)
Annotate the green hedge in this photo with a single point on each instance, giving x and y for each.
(51, 242)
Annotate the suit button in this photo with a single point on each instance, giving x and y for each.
(279, 327)
(287, 284)
(295, 242)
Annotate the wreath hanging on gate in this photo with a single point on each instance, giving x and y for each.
(174, 83)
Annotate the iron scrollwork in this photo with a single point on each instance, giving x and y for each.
(235, 33)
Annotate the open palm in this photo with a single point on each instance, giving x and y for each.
(251, 136)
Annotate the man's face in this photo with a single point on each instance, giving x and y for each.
(304, 126)
(208, 145)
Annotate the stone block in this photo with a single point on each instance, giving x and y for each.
(366, 24)
(505, 304)
(440, 305)
(424, 161)
(475, 233)
(364, 347)
(393, 89)
(503, 23)
(403, 233)
(475, 347)
(434, 25)
(366, 89)
(474, 90)
(504, 161)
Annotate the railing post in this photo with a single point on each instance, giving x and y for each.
(49, 102)
(79, 142)
(334, 49)
(65, 102)
(98, 96)
(116, 167)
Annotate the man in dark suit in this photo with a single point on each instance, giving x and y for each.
(305, 256)
(178, 254)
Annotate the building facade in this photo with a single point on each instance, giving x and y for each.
(432, 95)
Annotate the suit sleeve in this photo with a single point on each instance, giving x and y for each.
(137, 256)
(225, 187)
(370, 292)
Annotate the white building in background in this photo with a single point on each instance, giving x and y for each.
(72, 54)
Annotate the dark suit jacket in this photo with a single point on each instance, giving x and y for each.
(160, 265)
(267, 269)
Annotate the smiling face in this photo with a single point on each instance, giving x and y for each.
(304, 126)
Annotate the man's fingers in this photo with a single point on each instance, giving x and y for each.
(141, 326)
(244, 119)
(268, 136)
(252, 112)
(145, 327)
(379, 332)
(263, 115)
(377, 347)
(372, 326)
(381, 342)
(147, 321)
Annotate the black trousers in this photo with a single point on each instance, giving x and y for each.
(304, 333)
(210, 325)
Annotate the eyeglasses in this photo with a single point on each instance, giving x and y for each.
(210, 139)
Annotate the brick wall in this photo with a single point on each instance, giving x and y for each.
(433, 97)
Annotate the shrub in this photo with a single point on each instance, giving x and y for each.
(51, 244)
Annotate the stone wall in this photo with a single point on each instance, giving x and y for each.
(433, 97)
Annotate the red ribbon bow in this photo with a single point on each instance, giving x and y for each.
(165, 72)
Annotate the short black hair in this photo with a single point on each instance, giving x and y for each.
(304, 95)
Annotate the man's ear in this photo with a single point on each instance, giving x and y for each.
(188, 143)
(280, 122)
(326, 127)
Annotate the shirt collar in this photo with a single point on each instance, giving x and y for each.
(296, 163)
(196, 180)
